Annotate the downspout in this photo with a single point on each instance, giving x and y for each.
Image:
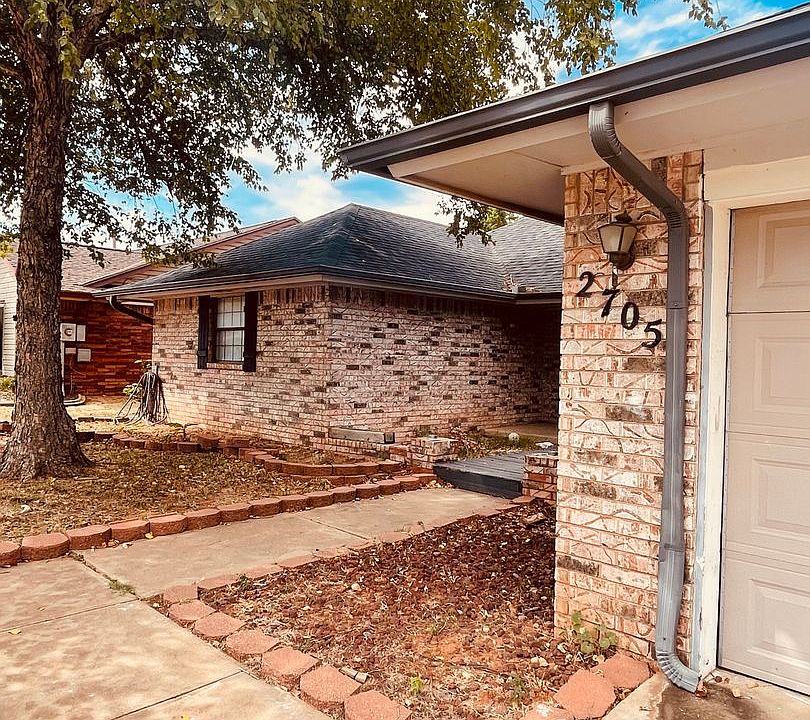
(671, 553)
(140, 317)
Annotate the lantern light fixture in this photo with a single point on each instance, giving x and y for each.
(617, 239)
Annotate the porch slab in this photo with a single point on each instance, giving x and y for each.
(658, 699)
(540, 432)
(152, 566)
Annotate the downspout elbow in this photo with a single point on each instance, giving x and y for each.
(116, 304)
(671, 555)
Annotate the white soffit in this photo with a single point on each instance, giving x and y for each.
(755, 117)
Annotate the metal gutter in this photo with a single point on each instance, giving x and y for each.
(132, 312)
(672, 546)
(778, 39)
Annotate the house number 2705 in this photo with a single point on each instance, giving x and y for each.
(630, 315)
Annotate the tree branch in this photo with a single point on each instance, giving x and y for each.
(10, 71)
(87, 33)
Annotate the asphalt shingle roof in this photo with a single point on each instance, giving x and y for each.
(79, 268)
(358, 242)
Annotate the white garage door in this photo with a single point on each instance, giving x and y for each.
(765, 623)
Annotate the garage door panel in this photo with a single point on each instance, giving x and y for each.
(769, 367)
(765, 592)
(757, 638)
(771, 258)
(768, 505)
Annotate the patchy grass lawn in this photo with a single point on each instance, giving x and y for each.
(126, 483)
(456, 622)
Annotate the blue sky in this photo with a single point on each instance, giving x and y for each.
(660, 25)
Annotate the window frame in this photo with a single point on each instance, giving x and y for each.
(218, 330)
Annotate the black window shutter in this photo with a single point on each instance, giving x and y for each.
(203, 325)
(251, 330)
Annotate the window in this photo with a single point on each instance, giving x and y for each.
(230, 329)
(227, 330)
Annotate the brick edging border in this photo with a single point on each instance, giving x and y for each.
(46, 546)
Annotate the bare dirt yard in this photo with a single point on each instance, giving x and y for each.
(457, 622)
(128, 483)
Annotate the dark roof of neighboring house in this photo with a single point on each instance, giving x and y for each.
(217, 244)
(366, 244)
(79, 268)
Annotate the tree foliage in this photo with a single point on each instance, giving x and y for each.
(168, 96)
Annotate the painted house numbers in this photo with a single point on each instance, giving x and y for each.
(630, 316)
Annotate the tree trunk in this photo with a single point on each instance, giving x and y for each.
(43, 439)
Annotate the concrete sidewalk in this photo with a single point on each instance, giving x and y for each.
(72, 648)
(155, 565)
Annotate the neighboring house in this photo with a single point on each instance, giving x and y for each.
(101, 344)
(725, 123)
(362, 319)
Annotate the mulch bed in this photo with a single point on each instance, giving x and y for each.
(457, 622)
(128, 483)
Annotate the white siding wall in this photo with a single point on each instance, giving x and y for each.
(8, 296)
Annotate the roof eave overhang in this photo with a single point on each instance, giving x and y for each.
(770, 42)
(321, 276)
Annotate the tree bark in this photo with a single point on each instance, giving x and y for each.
(43, 439)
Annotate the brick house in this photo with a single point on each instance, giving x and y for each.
(684, 468)
(101, 344)
(362, 319)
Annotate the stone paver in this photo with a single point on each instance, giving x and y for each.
(285, 665)
(9, 553)
(235, 512)
(129, 530)
(326, 688)
(187, 613)
(220, 581)
(248, 643)
(204, 518)
(167, 524)
(217, 626)
(623, 671)
(179, 594)
(90, 536)
(44, 547)
(586, 695)
(373, 705)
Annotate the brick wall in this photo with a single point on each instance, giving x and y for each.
(540, 477)
(416, 364)
(612, 410)
(284, 399)
(330, 356)
(115, 342)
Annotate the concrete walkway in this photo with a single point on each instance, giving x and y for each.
(71, 647)
(152, 566)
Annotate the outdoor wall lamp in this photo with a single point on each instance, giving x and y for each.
(617, 240)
